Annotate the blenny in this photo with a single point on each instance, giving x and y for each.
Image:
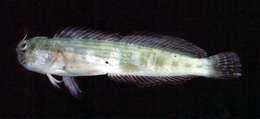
(142, 59)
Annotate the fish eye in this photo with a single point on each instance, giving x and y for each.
(24, 45)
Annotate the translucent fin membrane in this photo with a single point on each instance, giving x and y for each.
(226, 65)
(72, 86)
(148, 81)
(76, 33)
(164, 42)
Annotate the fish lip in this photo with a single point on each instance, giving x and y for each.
(20, 55)
(21, 58)
(23, 62)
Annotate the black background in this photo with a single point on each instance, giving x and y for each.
(216, 26)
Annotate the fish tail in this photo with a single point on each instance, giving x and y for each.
(226, 65)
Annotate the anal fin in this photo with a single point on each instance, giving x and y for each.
(148, 81)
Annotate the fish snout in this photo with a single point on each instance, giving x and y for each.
(20, 50)
(21, 57)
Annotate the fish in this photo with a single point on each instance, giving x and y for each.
(141, 59)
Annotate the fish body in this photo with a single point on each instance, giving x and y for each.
(96, 57)
(141, 59)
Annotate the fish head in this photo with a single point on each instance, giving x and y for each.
(30, 55)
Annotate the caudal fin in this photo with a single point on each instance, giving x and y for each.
(226, 65)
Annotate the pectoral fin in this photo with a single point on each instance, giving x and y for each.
(53, 81)
(72, 85)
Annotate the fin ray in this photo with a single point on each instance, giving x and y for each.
(148, 81)
(226, 65)
(82, 33)
(72, 85)
(164, 42)
(53, 81)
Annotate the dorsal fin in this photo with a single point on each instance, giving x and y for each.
(164, 42)
(145, 39)
(82, 33)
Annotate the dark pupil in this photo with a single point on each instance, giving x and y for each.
(23, 45)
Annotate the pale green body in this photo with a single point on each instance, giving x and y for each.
(144, 60)
(95, 57)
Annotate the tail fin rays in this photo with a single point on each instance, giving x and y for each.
(226, 65)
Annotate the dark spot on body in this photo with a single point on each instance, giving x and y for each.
(106, 62)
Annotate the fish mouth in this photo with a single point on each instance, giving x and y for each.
(21, 59)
